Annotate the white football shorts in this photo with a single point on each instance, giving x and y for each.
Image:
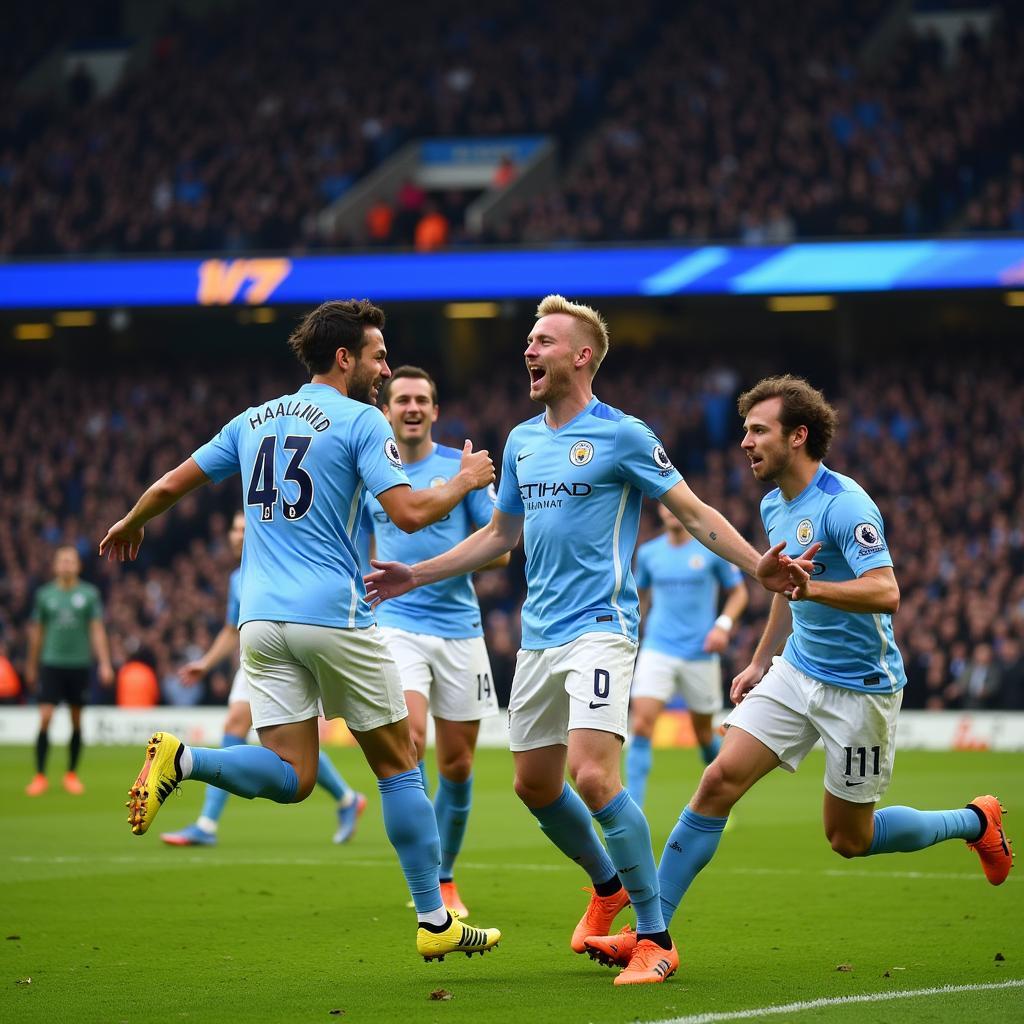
(293, 667)
(454, 675)
(239, 688)
(788, 711)
(583, 684)
(699, 681)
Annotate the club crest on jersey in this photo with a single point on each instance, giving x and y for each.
(78, 600)
(438, 481)
(697, 562)
(804, 532)
(392, 453)
(661, 459)
(868, 537)
(581, 453)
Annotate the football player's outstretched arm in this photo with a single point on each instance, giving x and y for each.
(875, 592)
(124, 538)
(717, 534)
(497, 538)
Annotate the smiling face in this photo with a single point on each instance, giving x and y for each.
(411, 410)
(770, 449)
(556, 351)
(369, 369)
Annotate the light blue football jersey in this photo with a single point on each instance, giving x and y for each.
(849, 649)
(234, 598)
(580, 489)
(306, 460)
(684, 580)
(449, 607)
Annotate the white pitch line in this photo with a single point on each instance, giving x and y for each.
(815, 1004)
(341, 861)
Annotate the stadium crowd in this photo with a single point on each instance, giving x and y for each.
(703, 120)
(941, 449)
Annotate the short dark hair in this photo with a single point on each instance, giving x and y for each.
(333, 325)
(802, 406)
(410, 373)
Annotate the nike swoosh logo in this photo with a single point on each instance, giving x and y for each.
(604, 705)
(624, 871)
(855, 783)
(520, 457)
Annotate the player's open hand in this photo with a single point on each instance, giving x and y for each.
(106, 674)
(745, 681)
(800, 581)
(191, 673)
(477, 466)
(773, 570)
(392, 579)
(122, 542)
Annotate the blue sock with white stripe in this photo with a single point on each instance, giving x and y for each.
(566, 822)
(423, 775)
(451, 808)
(245, 771)
(638, 767)
(690, 846)
(410, 824)
(330, 778)
(629, 842)
(213, 803)
(905, 829)
(709, 751)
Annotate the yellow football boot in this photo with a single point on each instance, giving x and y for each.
(456, 938)
(160, 775)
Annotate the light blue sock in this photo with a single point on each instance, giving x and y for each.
(690, 846)
(246, 771)
(629, 842)
(904, 829)
(410, 824)
(710, 751)
(566, 822)
(638, 767)
(451, 808)
(213, 804)
(423, 775)
(330, 778)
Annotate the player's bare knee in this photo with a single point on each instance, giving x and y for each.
(848, 845)
(595, 786)
(419, 742)
(536, 792)
(457, 767)
(307, 783)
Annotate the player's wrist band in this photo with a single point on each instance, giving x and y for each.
(724, 622)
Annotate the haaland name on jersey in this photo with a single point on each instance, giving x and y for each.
(856, 651)
(580, 489)
(449, 607)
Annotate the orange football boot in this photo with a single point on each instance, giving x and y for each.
(73, 784)
(992, 846)
(612, 950)
(452, 900)
(38, 786)
(599, 917)
(649, 964)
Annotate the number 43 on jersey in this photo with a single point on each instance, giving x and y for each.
(262, 488)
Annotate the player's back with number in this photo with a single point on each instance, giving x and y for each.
(305, 460)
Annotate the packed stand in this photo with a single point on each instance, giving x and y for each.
(756, 122)
(941, 451)
(240, 129)
(1000, 207)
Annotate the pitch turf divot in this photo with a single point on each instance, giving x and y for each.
(815, 1004)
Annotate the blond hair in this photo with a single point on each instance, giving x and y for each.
(592, 321)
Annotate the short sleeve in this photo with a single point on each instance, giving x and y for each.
(509, 499)
(641, 459)
(727, 574)
(376, 453)
(218, 458)
(37, 607)
(480, 504)
(95, 605)
(642, 574)
(854, 525)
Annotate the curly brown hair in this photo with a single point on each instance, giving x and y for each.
(802, 406)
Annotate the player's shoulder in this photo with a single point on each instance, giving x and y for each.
(89, 588)
(840, 491)
(771, 501)
(521, 433)
(444, 451)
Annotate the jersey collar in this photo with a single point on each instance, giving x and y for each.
(808, 489)
(583, 412)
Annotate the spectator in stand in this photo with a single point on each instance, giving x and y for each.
(432, 229)
(380, 222)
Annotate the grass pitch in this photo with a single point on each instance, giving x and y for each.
(277, 924)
